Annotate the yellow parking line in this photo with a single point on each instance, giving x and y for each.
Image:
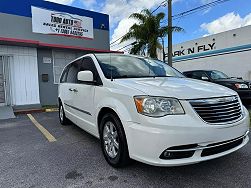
(46, 133)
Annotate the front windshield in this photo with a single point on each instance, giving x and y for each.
(125, 66)
(215, 75)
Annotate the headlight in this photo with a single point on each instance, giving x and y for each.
(157, 106)
(241, 86)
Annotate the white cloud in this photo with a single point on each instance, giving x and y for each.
(123, 27)
(225, 23)
(120, 10)
(64, 2)
(89, 3)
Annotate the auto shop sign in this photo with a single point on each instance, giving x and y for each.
(60, 23)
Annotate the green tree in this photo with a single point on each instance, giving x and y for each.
(147, 31)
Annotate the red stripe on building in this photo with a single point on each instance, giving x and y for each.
(37, 43)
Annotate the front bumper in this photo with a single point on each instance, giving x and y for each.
(150, 138)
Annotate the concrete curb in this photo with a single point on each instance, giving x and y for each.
(51, 110)
(30, 111)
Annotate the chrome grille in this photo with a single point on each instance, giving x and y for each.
(218, 110)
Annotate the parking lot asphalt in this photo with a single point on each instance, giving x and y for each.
(28, 159)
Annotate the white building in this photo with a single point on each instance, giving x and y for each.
(228, 51)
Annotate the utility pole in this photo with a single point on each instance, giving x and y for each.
(170, 38)
(163, 50)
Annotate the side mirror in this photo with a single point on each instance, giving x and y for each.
(85, 76)
(204, 78)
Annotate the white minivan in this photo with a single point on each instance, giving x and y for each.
(142, 109)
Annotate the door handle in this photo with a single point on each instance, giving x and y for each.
(74, 90)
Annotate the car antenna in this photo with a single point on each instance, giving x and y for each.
(148, 60)
(111, 66)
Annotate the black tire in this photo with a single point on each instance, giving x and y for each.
(61, 114)
(122, 158)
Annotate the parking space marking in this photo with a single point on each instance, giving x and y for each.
(46, 133)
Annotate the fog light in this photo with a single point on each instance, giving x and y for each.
(167, 154)
(176, 154)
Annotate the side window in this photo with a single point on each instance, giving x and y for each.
(199, 75)
(73, 72)
(189, 75)
(88, 64)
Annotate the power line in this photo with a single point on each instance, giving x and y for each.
(127, 45)
(127, 50)
(163, 3)
(182, 14)
(117, 40)
(199, 8)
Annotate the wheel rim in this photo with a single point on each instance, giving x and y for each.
(110, 137)
(61, 113)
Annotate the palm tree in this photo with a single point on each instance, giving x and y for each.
(147, 32)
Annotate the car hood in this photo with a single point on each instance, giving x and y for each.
(181, 88)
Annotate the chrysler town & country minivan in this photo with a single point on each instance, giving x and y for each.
(142, 109)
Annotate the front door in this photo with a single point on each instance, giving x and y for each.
(83, 95)
(2, 82)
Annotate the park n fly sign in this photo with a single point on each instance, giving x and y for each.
(193, 50)
(60, 23)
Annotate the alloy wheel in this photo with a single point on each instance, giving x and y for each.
(61, 113)
(111, 140)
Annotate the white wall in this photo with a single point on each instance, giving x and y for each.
(228, 39)
(231, 53)
(24, 84)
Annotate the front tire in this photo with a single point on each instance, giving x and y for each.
(113, 141)
(62, 118)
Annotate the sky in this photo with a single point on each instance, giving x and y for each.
(226, 16)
